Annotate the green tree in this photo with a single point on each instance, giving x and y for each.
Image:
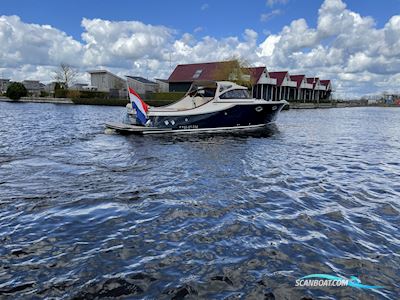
(236, 70)
(16, 90)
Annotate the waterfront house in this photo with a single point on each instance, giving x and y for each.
(50, 87)
(285, 87)
(183, 76)
(163, 85)
(105, 81)
(318, 88)
(303, 89)
(326, 95)
(263, 85)
(142, 85)
(34, 87)
(4, 83)
(79, 86)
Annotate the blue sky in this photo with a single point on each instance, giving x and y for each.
(355, 43)
(216, 18)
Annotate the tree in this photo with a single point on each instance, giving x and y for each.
(16, 90)
(235, 70)
(65, 75)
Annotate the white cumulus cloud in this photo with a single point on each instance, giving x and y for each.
(344, 46)
(22, 43)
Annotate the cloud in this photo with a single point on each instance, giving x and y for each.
(22, 43)
(343, 46)
(271, 3)
(204, 6)
(187, 49)
(116, 43)
(125, 47)
(268, 16)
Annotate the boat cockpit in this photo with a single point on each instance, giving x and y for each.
(202, 92)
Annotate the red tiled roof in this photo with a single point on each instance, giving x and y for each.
(313, 81)
(255, 73)
(279, 76)
(184, 73)
(298, 78)
(325, 82)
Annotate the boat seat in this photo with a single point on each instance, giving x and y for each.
(198, 101)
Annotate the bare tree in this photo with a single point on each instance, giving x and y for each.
(65, 75)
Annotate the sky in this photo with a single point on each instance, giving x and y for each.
(354, 43)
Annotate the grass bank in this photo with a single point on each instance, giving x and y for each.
(99, 98)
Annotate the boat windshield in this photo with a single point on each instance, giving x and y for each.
(203, 92)
(236, 94)
(205, 89)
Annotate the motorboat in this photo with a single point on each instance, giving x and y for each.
(208, 106)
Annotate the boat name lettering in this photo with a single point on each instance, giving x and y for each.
(189, 126)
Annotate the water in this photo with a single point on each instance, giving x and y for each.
(84, 214)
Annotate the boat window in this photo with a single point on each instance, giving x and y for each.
(209, 92)
(235, 94)
(224, 87)
(204, 92)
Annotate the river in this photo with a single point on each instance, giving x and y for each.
(87, 214)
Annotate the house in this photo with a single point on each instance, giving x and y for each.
(328, 89)
(105, 81)
(303, 88)
(4, 83)
(78, 86)
(183, 76)
(318, 88)
(372, 101)
(50, 87)
(163, 85)
(285, 87)
(34, 87)
(388, 99)
(142, 85)
(263, 85)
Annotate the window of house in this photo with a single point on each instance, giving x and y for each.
(197, 73)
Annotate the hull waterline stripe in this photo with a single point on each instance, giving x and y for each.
(181, 131)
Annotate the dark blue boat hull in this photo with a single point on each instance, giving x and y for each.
(237, 116)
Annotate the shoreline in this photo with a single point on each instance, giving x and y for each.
(292, 105)
(39, 100)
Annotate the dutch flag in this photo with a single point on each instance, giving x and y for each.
(140, 106)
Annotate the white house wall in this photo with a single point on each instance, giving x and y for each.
(105, 81)
(140, 87)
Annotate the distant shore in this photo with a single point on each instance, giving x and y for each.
(83, 101)
(121, 102)
(39, 100)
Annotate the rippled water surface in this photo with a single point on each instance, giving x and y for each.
(84, 214)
